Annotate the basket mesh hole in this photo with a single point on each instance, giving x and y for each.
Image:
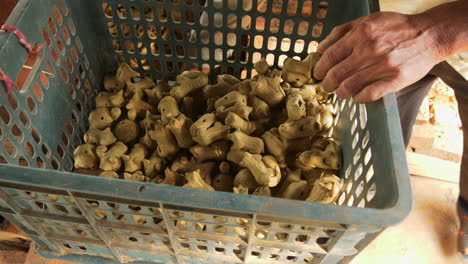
(157, 65)
(133, 239)
(134, 13)
(62, 209)
(71, 27)
(9, 148)
(218, 54)
(46, 37)
(152, 32)
(189, 17)
(354, 126)
(67, 245)
(121, 11)
(274, 25)
(162, 14)
(355, 140)
(360, 188)
(185, 245)
(69, 64)
(299, 46)
(63, 8)
(112, 28)
(45, 150)
(149, 16)
(64, 74)
(82, 248)
(35, 135)
(58, 16)
(303, 28)
(52, 27)
(60, 151)
(142, 48)
(367, 157)
(281, 60)
(322, 240)
(12, 101)
(69, 127)
(312, 46)
(370, 173)
(17, 133)
(107, 9)
(31, 104)
(23, 162)
(371, 192)
(125, 29)
(358, 172)
(277, 7)
(202, 248)
(178, 35)
(285, 44)
(272, 41)
(169, 66)
(167, 50)
(317, 29)
(357, 155)
(218, 20)
(39, 162)
(260, 23)
(138, 30)
(60, 46)
(72, 90)
(78, 45)
(129, 46)
(288, 26)
(218, 38)
(176, 15)
(180, 66)
(322, 9)
(246, 22)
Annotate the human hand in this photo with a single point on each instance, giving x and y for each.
(377, 54)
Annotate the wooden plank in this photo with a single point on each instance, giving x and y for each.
(426, 166)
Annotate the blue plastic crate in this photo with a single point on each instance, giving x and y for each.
(98, 220)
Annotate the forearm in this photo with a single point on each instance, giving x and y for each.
(447, 26)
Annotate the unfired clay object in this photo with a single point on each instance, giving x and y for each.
(126, 131)
(85, 157)
(99, 137)
(103, 117)
(111, 158)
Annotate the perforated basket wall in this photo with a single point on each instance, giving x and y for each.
(97, 220)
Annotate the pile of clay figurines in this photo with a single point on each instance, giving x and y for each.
(269, 135)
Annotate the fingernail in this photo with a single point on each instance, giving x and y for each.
(326, 86)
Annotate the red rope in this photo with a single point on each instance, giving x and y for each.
(8, 82)
(23, 41)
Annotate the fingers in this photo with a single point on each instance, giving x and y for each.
(346, 68)
(357, 81)
(374, 91)
(337, 33)
(332, 56)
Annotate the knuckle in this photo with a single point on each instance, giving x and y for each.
(333, 77)
(347, 88)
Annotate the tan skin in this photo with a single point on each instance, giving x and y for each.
(385, 52)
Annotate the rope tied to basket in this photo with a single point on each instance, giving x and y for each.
(8, 82)
(23, 41)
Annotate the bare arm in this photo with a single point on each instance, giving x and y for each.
(385, 52)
